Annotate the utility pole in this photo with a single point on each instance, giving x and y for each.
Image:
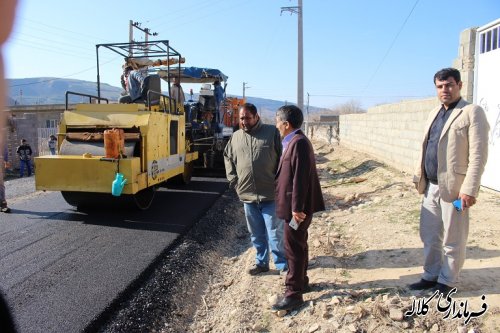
(245, 87)
(300, 52)
(147, 33)
(307, 107)
(130, 38)
(307, 112)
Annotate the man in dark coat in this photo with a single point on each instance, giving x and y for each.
(298, 197)
(24, 151)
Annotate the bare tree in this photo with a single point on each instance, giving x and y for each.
(351, 106)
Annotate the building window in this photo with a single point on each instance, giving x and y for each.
(481, 47)
(495, 39)
(51, 123)
(489, 40)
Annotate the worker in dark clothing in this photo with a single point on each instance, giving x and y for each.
(24, 151)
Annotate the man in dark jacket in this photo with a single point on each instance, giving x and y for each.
(298, 197)
(24, 151)
(251, 157)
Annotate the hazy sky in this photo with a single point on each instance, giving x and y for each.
(371, 51)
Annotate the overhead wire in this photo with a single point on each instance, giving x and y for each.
(189, 12)
(58, 50)
(91, 38)
(390, 47)
(200, 4)
(63, 77)
(213, 13)
(44, 47)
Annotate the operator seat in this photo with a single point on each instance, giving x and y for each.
(151, 83)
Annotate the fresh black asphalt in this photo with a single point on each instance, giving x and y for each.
(61, 268)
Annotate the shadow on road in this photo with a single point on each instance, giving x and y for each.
(173, 209)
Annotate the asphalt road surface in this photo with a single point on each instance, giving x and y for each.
(60, 268)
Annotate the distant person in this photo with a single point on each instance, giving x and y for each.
(251, 157)
(24, 152)
(452, 159)
(124, 82)
(52, 143)
(219, 97)
(3, 201)
(298, 197)
(132, 81)
(176, 92)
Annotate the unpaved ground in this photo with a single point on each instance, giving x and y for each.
(364, 250)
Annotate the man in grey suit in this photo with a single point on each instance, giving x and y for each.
(452, 160)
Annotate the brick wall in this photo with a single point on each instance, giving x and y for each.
(391, 132)
(24, 122)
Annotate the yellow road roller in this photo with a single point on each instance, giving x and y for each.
(149, 148)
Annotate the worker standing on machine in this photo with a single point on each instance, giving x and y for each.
(176, 91)
(219, 97)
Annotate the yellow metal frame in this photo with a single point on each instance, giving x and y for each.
(83, 173)
(80, 174)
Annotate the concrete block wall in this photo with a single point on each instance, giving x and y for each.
(24, 122)
(322, 132)
(465, 62)
(392, 133)
(21, 127)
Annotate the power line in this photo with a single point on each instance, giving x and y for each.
(390, 47)
(63, 77)
(214, 13)
(189, 13)
(42, 46)
(52, 42)
(93, 38)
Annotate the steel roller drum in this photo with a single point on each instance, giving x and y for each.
(88, 200)
(94, 148)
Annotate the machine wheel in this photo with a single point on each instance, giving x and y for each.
(185, 177)
(72, 198)
(86, 200)
(188, 172)
(144, 198)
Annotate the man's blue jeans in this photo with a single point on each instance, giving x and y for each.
(28, 166)
(266, 232)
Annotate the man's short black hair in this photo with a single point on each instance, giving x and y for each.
(292, 114)
(250, 108)
(445, 73)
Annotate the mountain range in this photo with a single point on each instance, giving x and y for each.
(50, 90)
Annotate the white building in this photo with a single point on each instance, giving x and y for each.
(487, 94)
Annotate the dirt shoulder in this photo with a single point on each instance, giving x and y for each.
(364, 250)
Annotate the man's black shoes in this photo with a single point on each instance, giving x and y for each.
(443, 289)
(258, 269)
(4, 208)
(422, 284)
(288, 304)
